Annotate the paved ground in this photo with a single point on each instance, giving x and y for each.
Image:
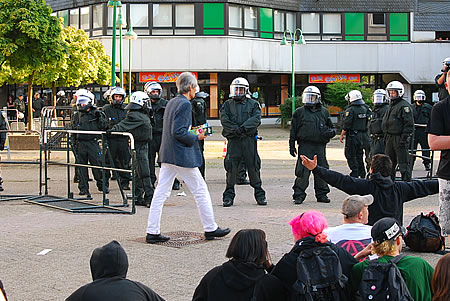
(27, 229)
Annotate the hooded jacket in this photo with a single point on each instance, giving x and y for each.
(109, 266)
(388, 196)
(233, 280)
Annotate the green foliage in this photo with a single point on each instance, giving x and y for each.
(335, 93)
(286, 108)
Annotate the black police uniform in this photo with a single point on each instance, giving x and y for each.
(38, 104)
(240, 120)
(422, 113)
(3, 127)
(137, 122)
(87, 147)
(355, 123)
(199, 117)
(312, 128)
(442, 90)
(398, 126)
(375, 129)
(158, 108)
(118, 145)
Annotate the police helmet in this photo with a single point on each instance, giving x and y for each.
(84, 92)
(107, 94)
(84, 103)
(239, 88)
(201, 95)
(419, 96)
(311, 96)
(138, 100)
(354, 97)
(379, 97)
(395, 86)
(61, 93)
(118, 91)
(446, 61)
(153, 86)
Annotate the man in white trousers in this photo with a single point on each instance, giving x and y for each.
(180, 155)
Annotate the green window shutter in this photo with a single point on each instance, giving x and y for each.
(398, 24)
(213, 32)
(266, 21)
(354, 23)
(213, 17)
(354, 38)
(399, 38)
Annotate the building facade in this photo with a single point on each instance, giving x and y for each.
(372, 42)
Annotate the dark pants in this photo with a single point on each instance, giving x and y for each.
(399, 155)
(355, 144)
(89, 152)
(421, 137)
(201, 144)
(302, 173)
(153, 148)
(243, 149)
(144, 187)
(121, 156)
(376, 145)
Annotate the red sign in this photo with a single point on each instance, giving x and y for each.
(333, 78)
(160, 77)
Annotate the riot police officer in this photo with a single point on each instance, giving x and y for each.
(422, 113)
(137, 122)
(376, 133)
(199, 117)
(312, 129)
(240, 117)
(88, 118)
(398, 126)
(158, 105)
(118, 145)
(355, 124)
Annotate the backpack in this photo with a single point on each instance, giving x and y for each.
(424, 233)
(383, 281)
(319, 275)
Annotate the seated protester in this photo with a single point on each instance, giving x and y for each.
(353, 235)
(236, 279)
(441, 279)
(387, 243)
(388, 195)
(307, 229)
(109, 266)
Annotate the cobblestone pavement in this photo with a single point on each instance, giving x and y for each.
(27, 229)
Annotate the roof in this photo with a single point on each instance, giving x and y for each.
(357, 5)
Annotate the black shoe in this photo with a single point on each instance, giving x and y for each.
(218, 233)
(1, 184)
(227, 203)
(262, 202)
(243, 182)
(324, 200)
(140, 202)
(176, 185)
(106, 189)
(427, 166)
(86, 193)
(76, 180)
(126, 187)
(298, 201)
(154, 238)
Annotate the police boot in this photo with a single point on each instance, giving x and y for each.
(1, 184)
(427, 166)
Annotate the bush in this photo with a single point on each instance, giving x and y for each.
(335, 93)
(286, 108)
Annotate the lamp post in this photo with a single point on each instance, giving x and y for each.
(114, 4)
(121, 23)
(293, 39)
(130, 36)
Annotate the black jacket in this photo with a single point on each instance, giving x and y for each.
(233, 280)
(158, 108)
(109, 266)
(138, 124)
(388, 196)
(236, 114)
(278, 284)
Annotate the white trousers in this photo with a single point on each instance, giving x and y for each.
(196, 184)
(444, 206)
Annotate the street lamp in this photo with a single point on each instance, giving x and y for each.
(130, 36)
(293, 39)
(121, 23)
(114, 4)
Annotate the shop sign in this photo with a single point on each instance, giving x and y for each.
(160, 77)
(333, 78)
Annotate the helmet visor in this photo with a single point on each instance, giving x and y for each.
(310, 98)
(378, 98)
(238, 90)
(419, 97)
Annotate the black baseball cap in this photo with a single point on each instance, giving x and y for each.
(386, 228)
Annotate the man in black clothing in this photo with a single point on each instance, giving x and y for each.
(109, 267)
(388, 195)
(199, 118)
(4, 127)
(440, 79)
(381, 106)
(422, 113)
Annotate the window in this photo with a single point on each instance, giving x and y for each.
(376, 29)
(377, 20)
(97, 14)
(250, 22)
(139, 15)
(310, 23)
(184, 17)
(278, 21)
(74, 18)
(110, 14)
(64, 14)
(235, 20)
(84, 13)
(331, 23)
(283, 21)
(162, 15)
(290, 21)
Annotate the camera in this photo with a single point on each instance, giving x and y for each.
(446, 67)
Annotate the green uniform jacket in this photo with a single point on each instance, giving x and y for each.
(235, 114)
(376, 120)
(94, 120)
(421, 113)
(399, 119)
(114, 114)
(138, 124)
(311, 125)
(356, 118)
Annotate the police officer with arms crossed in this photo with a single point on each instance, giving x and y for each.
(158, 104)
(137, 122)
(422, 113)
(118, 145)
(240, 117)
(356, 119)
(312, 128)
(381, 106)
(398, 126)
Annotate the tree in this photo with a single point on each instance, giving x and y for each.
(335, 93)
(30, 38)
